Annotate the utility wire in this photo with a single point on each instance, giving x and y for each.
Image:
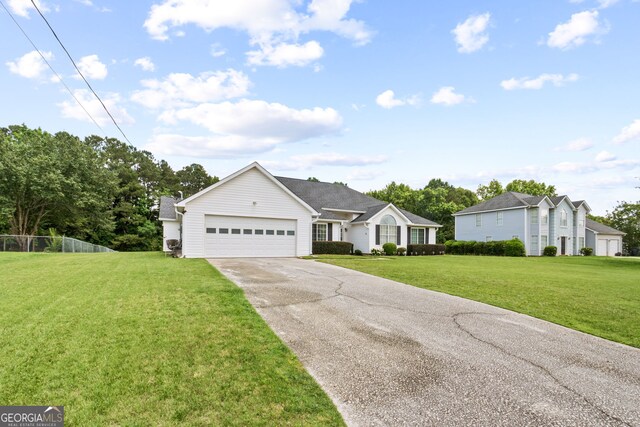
(78, 70)
(59, 77)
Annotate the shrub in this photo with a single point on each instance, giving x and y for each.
(448, 246)
(401, 251)
(514, 247)
(550, 251)
(376, 252)
(586, 251)
(390, 248)
(618, 254)
(426, 249)
(333, 248)
(480, 248)
(357, 252)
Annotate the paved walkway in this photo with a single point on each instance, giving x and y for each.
(393, 354)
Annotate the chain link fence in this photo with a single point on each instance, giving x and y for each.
(12, 243)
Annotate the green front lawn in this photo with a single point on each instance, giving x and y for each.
(597, 295)
(141, 339)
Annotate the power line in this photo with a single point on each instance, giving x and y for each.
(79, 72)
(51, 67)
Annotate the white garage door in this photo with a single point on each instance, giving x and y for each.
(602, 247)
(232, 236)
(613, 247)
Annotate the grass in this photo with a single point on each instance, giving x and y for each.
(597, 295)
(140, 339)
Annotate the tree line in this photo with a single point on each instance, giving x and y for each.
(95, 189)
(107, 192)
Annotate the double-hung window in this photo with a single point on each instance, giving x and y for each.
(418, 236)
(499, 218)
(478, 220)
(319, 232)
(388, 230)
(563, 218)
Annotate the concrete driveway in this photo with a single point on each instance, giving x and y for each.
(392, 354)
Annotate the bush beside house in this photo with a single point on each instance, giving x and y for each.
(513, 247)
(425, 250)
(331, 248)
(550, 251)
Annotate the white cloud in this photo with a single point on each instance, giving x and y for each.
(388, 100)
(629, 133)
(580, 144)
(286, 54)
(217, 50)
(30, 65)
(362, 174)
(243, 128)
(183, 89)
(605, 156)
(471, 35)
(71, 109)
(447, 96)
(22, 7)
(145, 63)
(603, 4)
(538, 82)
(575, 32)
(307, 161)
(273, 25)
(91, 67)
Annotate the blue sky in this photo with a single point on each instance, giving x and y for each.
(366, 92)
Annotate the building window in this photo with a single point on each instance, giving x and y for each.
(488, 239)
(319, 232)
(247, 231)
(211, 230)
(544, 241)
(260, 232)
(581, 221)
(388, 230)
(291, 233)
(478, 220)
(515, 236)
(235, 231)
(499, 218)
(563, 218)
(544, 217)
(270, 232)
(224, 231)
(534, 245)
(534, 216)
(280, 232)
(580, 242)
(417, 236)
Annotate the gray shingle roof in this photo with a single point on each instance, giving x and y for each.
(321, 195)
(601, 228)
(506, 200)
(167, 210)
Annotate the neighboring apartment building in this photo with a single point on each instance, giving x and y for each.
(538, 221)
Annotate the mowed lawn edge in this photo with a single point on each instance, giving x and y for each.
(596, 295)
(143, 339)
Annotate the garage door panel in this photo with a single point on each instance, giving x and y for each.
(229, 236)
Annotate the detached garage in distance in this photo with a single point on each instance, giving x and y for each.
(251, 213)
(604, 240)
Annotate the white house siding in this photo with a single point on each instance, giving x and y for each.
(358, 234)
(170, 230)
(512, 225)
(376, 220)
(250, 194)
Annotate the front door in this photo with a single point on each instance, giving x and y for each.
(563, 245)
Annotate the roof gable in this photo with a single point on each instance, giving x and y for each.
(508, 200)
(167, 208)
(599, 228)
(256, 166)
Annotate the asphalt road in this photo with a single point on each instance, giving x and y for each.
(392, 354)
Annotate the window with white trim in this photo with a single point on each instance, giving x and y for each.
(580, 221)
(478, 220)
(534, 216)
(534, 245)
(544, 241)
(544, 217)
(319, 232)
(580, 243)
(499, 218)
(388, 230)
(563, 218)
(418, 236)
